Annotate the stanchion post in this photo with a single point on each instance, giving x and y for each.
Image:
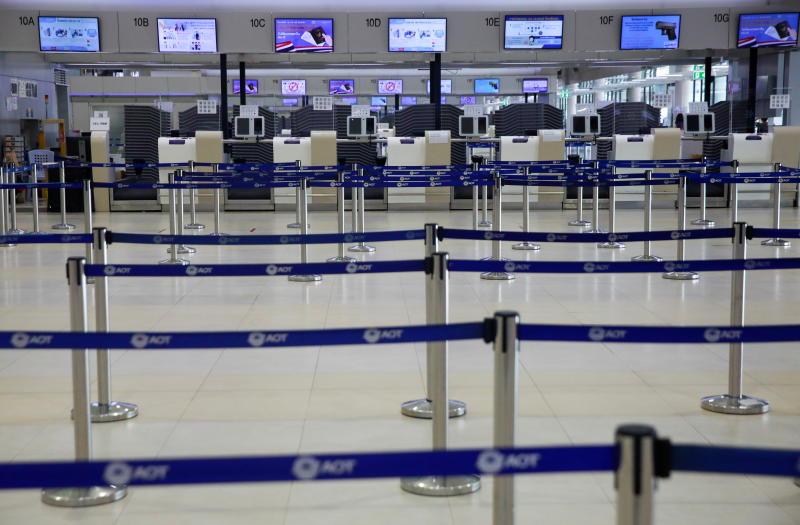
(648, 221)
(178, 178)
(635, 477)
(440, 485)
(88, 218)
(526, 218)
(579, 220)
(361, 247)
(735, 402)
(62, 194)
(596, 202)
(612, 212)
(497, 219)
(734, 190)
(506, 395)
(193, 224)
(475, 218)
(35, 198)
(173, 227)
(681, 275)
(340, 257)
(82, 423)
(217, 206)
(105, 410)
(485, 222)
(702, 221)
(303, 200)
(296, 223)
(12, 223)
(776, 213)
(434, 302)
(4, 230)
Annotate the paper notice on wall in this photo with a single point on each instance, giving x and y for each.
(438, 137)
(476, 110)
(322, 103)
(11, 104)
(99, 124)
(661, 100)
(698, 107)
(248, 110)
(206, 107)
(359, 111)
(779, 101)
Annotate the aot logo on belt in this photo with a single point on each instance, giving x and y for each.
(259, 338)
(494, 461)
(309, 467)
(598, 333)
(120, 474)
(374, 335)
(144, 340)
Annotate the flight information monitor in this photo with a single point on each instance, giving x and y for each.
(427, 35)
(534, 85)
(534, 31)
(187, 35)
(487, 86)
(390, 87)
(69, 34)
(650, 32)
(293, 87)
(408, 101)
(346, 101)
(768, 29)
(250, 87)
(447, 86)
(378, 101)
(469, 99)
(342, 87)
(289, 102)
(304, 35)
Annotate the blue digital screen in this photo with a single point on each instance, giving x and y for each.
(342, 87)
(768, 29)
(69, 34)
(650, 32)
(469, 99)
(408, 101)
(487, 86)
(378, 101)
(304, 35)
(290, 102)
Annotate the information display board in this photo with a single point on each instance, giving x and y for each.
(428, 35)
(487, 86)
(293, 87)
(378, 101)
(768, 30)
(342, 87)
(447, 86)
(250, 87)
(408, 101)
(650, 32)
(469, 99)
(346, 101)
(534, 85)
(390, 87)
(69, 34)
(534, 32)
(187, 35)
(290, 102)
(304, 35)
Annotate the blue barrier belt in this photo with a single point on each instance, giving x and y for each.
(118, 165)
(190, 186)
(736, 460)
(316, 238)
(24, 185)
(743, 180)
(50, 238)
(458, 265)
(662, 235)
(772, 233)
(656, 182)
(307, 467)
(242, 270)
(660, 334)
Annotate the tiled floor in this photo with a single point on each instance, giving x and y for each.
(218, 402)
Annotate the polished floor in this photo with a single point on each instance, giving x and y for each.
(330, 399)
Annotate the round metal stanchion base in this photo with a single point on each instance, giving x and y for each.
(778, 243)
(195, 226)
(725, 404)
(83, 496)
(7, 245)
(179, 261)
(703, 222)
(361, 248)
(305, 278)
(647, 258)
(63, 226)
(581, 223)
(681, 276)
(484, 224)
(797, 481)
(526, 246)
(498, 276)
(343, 258)
(113, 411)
(441, 485)
(293, 225)
(16, 231)
(610, 244)
(183, 249)
(423, 408)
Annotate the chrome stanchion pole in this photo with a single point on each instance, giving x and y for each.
(105, 410)
(193, 224)
(82, 424)
(612, 213)
(341, 257)
(735, 402)
(475, 204)
(702, 221)
(679, 275)
(485, 222)
(361, 247)
(35, 198)
(648, 221)
(296, 223)
(497, 219)
(88, 219)
(12, 223)
(217, 206)
(776, 214)
(62, 194)
(423, 408)
(178, 178)
(595, 202)
(734, 188)
(173, 227)
(506, 394)
(303, 195)
(526, 218)
(635, 477)
(579, 220)
(440, 485)
(4, 209)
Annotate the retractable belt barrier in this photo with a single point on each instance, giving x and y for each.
(243, 270)
(50, 238)
(664, 235)
(25, 185)
(316, 238)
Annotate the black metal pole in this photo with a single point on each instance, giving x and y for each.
(223, 96)
(396, 102)
(436, 89)
(707, 78)
(242, 85)
(752, 77)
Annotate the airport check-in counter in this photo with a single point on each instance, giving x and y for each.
(630, 147)
(754, 153)
(406, 151)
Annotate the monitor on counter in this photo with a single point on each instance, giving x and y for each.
(768, 30)
(293, 87)
(342, 87)
(250, 87)
(650, 32)
(187, 35)
(304, 35)
(378, 101)
(291, 102)
(534, 32)
(447, 86)
(69, 34)
(469, 99)
(408, 101)
(487, 86)
(534, 85)
(346, 101)
(427, 35)
(390, 87)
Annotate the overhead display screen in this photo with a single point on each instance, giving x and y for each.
(378, 101)
(487, 86)
(346, 101)
(187, 35)
(390, 87)
(447, 86)
(289, 102)
(408, 101)
(69, 34)
(341, 87)
(293, 87)
(650, 32)
(428, 35)
(469, 99)
(250, 87)
(534, 85)
(304, 35)
(768, 29)
(534, 31)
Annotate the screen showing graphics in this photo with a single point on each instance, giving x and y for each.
(346, 101)
(768, 29)
(469, 99)
(534, 85)
(378, 101)
(293, 87)
(650, 32)
(304, 35)
(69, 34)
(390, 87)
(289, 102)
(408, 101)
(487, 86)
(534, 31)
(250, 87)
(342, 87)
(427, 35)
(187, 35)
(447, 86)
